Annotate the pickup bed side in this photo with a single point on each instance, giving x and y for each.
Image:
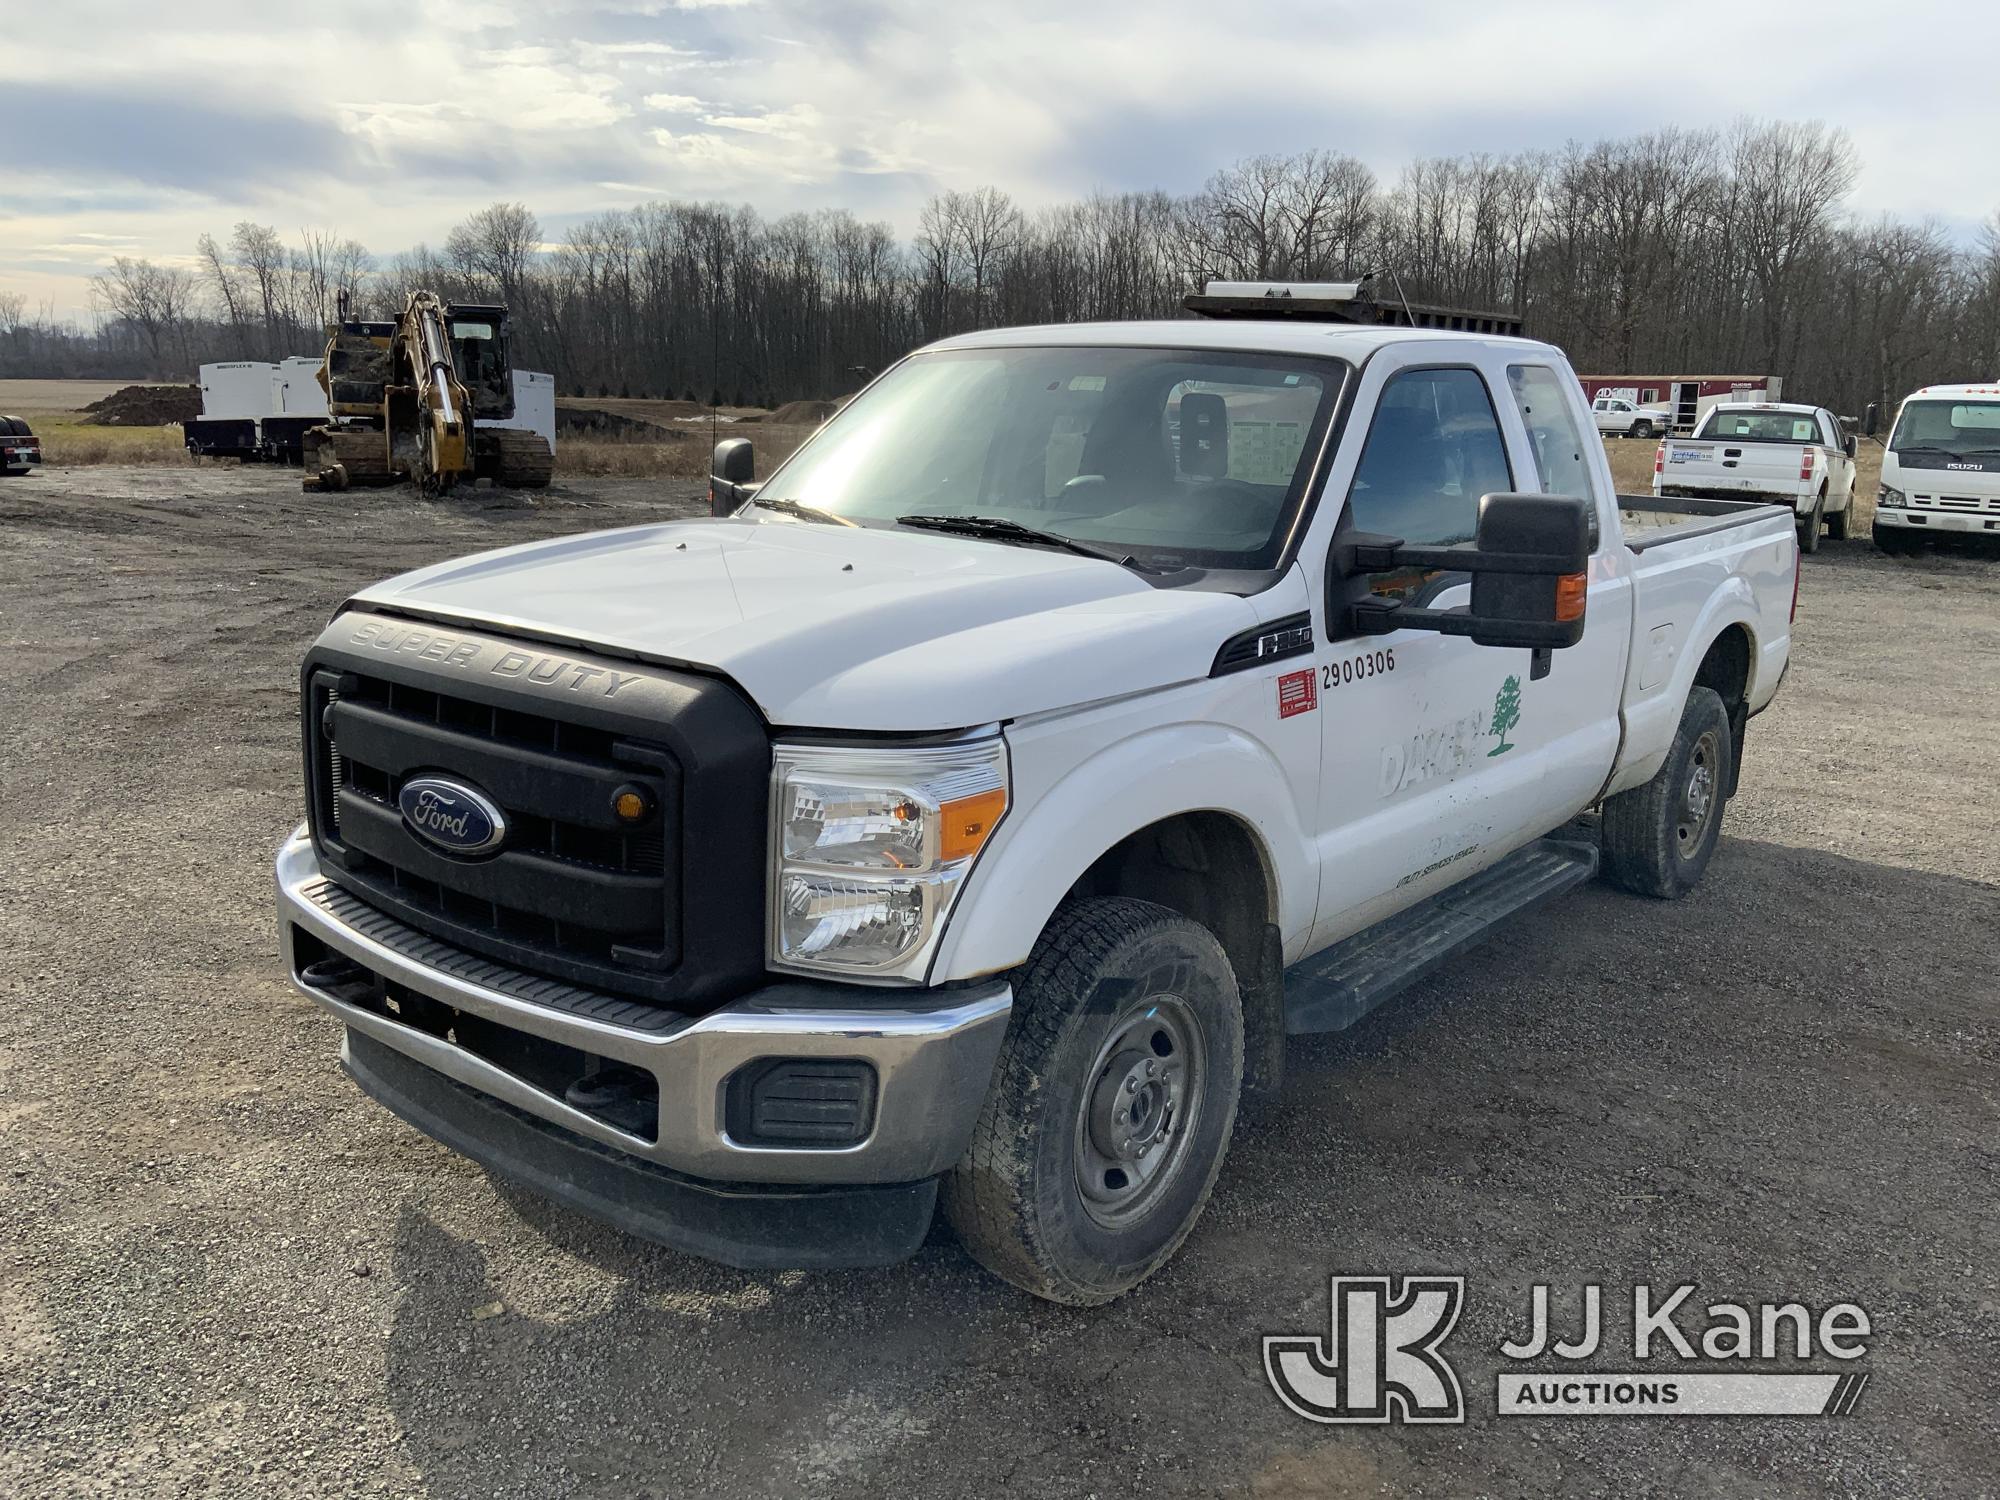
(1712, 590)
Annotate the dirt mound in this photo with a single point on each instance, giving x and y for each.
(145, 406)
(803, 413)
(577, 421)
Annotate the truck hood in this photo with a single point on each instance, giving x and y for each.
(837, 627)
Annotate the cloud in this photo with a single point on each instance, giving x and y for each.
(108, 133)
(574, 105)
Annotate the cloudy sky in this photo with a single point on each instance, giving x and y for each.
(132, 128)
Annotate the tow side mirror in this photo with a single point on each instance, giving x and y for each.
(734, 466)
(1848, 444)
(1531, 570)
(1529, 566)
(1871, 418)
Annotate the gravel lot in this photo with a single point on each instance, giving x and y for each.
(224, 1272)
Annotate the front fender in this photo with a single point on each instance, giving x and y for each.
(1057, 831)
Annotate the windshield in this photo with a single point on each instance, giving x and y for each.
(1178, 457)
(1760, 426)
(1957, 428)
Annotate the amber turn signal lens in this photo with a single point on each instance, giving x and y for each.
(631, 805)
(1571, 590)
(964, 823)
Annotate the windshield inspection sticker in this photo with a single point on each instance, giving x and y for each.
(1382, 1359)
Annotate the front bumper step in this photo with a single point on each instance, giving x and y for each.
(756, 1228)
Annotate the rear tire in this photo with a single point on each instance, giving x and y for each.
(1809, 528)
(1111, 1106)
(1658, 838)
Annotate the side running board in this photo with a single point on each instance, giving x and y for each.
(1338, 986)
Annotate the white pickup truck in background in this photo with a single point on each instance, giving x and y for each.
(1796, 456)
(1620, 416)
(965, 815)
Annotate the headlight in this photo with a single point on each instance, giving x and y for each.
(869, 848)
(1890, 498)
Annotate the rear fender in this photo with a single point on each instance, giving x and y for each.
(1652, 721)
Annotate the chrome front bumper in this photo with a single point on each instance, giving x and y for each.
(933, 1051)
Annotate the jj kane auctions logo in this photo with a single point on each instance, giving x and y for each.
(1382, 1358)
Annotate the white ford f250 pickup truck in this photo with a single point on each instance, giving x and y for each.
(968, 813)
(1796, 456)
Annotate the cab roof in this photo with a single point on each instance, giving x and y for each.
(1988, 389)
(1347, 341)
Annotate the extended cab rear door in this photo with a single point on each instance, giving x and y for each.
(1440, 756)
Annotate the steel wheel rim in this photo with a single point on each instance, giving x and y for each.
(1136, 1123)
(1698, 799)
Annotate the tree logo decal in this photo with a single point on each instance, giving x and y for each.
(1506, 714)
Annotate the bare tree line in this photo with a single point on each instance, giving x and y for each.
(1678, 251)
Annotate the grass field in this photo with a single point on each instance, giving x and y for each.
(54, 407)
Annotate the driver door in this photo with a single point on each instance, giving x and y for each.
(1426, 732)
(1443, 756)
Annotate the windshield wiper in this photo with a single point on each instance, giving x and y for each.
(1000, 529)
(800, 509)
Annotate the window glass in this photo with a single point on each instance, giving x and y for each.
(1561, 463)
(1182, 456)
(1740, 425)
(1433, 449)
(1935, 432)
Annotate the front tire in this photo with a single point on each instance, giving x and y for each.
(1641, 429)
(1111, 1106)
(1657, 839)
(1840, 524)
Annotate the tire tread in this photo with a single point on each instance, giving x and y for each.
(989, 1196)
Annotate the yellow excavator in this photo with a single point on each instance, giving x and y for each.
(419, 397)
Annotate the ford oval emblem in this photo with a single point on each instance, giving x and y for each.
(452, 816)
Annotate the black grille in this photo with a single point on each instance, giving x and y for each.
(571, 889)
(669, 912)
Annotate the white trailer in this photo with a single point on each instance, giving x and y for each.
(256, 410)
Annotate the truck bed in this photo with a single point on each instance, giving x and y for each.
(1688, 556)
(1650, 520)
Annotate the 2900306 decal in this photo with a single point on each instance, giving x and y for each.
(1358, 668)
